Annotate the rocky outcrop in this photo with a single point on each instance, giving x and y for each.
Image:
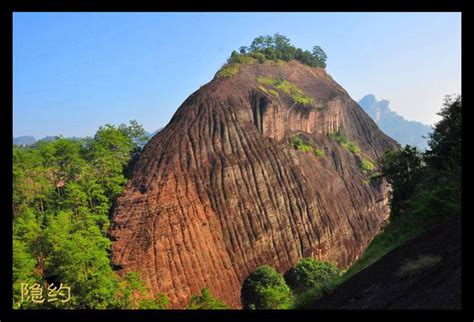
(220, 190)
(404, 131)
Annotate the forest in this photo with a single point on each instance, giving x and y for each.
(63, 191)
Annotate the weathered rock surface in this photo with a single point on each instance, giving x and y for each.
(220, 191)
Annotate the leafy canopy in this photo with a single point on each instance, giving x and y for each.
(265, 289)
(62, 194)
(309, 273)
(274, 48)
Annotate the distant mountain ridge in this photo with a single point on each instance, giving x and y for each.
(404, 131)
(30, 140)
(24, 140)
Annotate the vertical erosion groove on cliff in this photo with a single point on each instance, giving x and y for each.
(220, 191)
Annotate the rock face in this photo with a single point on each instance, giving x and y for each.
(220, 190)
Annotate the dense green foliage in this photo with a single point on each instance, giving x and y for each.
(274, 48)
(342, 139)
(309, 273)
(286, 87)
(278, 47)
(403, 170)
(265, 289)
(205, 301)
(62, 194)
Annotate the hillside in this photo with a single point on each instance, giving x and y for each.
(266, 164)
(424, 273)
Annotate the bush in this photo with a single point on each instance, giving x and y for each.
(228, 71)
(319, 153)
(205, 301)
(352, 147)
(341, 138)
(288, 88)
(265, 289)
(160, 302)
(310, 273)
(366, 165)
(299, 144)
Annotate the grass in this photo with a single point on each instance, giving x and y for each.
(274, 93)
(413, 267)
(319, 153)
(289, 89)
(298, 143)
(228, 71)
(366, 165)
(233, 66)
(342, 139)
(352, 147)
(263, 89)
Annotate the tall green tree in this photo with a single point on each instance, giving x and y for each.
(403, 169)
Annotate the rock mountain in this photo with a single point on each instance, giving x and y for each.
(221, 190)
(404, 131)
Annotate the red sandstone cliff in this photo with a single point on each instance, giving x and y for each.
(220, 190)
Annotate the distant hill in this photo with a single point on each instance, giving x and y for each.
(24, 140)
(402, 130)
(30, 140)
(150, 135)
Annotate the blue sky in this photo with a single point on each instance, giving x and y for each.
(73, 72)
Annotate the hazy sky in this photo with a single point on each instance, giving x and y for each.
(73, 72)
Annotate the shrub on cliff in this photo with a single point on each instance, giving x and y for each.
(309, 273)
(205, 301)
(265, 289)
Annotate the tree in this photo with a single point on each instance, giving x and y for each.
(62, 194)
(438, 194)
(258, 44)
(403, 169)
(309, 273)
(136, 132)
(320, 56)
(445, 141)
(205, 301)
(265, 289)
(277, 47)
